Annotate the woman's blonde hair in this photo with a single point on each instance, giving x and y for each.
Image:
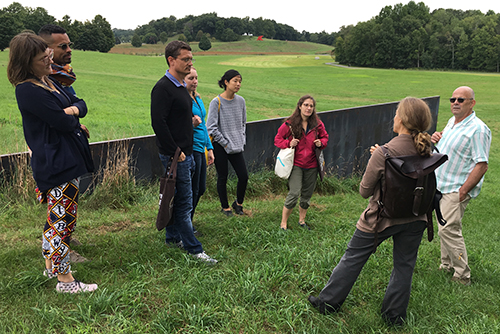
(24, 47)
(416, 116)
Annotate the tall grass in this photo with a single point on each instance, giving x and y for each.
(261, 282)
(20, 181)
(115, 184)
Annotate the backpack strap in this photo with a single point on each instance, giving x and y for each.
(379, 202)
(419, 188)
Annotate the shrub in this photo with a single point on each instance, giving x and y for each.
(205, 43)
(136, 41)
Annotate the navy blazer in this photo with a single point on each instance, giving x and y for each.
(60, 149)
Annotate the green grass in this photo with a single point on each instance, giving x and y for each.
(261, 282)
(117, 89)
(264, 275)
(249, 44)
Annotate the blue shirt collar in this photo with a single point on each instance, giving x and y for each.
(174, 80)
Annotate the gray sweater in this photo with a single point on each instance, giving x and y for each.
(227, 125)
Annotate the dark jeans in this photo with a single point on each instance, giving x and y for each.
(199, 178)
(182, 228)
(406, 240)
(221, 164)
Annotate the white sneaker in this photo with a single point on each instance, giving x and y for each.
(204, 257)
(75, 287)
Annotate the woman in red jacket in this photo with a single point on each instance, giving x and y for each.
(304, 131)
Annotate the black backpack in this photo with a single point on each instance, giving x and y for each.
(409, 189)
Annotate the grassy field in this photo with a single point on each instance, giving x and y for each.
(248, 45)
(117, 89)
(264, 276)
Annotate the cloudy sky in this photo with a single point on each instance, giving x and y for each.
(315, 16)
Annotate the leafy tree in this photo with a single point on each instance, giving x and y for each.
(229, 35)
(263, 27)
(124, 35)
(163, 37)
(166, 25)
(9, 27)
(485, 50)
(150, 38)
(236, 25)
(206, 23)
(181, 37)
(188, 35)
(65, 23)
(205, 43)
(37, 18)
(103, 37)
(219, 28)
(136, 41)
(199, 35)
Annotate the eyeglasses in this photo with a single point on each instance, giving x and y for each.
(47, 58)
(64, 46)
(459, 99)
(187, 60)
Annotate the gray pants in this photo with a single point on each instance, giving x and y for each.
(406, 239)
(301, 183)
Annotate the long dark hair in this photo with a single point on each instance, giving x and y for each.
(227, 77)
(295, 120)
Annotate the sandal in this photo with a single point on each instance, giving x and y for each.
(304, 225)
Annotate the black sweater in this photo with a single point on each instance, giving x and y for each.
(171, 117)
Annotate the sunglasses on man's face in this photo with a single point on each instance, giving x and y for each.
(459, 99)
(64, 46)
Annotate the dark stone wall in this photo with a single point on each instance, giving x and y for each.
(352, 131)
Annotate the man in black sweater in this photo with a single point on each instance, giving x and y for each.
(171, 119)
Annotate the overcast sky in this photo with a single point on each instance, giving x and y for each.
(315, 16)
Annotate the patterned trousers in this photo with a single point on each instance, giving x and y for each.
(61, 222)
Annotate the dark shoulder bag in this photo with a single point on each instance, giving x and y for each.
(167, 192)
(320, 158)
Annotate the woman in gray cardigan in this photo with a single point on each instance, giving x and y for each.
(226, 125)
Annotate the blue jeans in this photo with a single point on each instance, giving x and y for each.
(199, 178)
(182, 228)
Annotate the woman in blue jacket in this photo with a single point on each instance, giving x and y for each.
(201, 140)
(60, 150)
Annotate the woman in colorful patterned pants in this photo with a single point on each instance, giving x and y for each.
(60, 151)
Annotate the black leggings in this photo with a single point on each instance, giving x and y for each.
(221, 164)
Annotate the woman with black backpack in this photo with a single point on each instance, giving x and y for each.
(412, 119)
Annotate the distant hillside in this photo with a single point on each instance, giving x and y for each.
(246, 46)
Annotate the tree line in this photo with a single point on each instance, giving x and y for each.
(95, 35)
(410, 36)
(193, 28)
(400, 36)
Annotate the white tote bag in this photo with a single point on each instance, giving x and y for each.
(284, 162)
